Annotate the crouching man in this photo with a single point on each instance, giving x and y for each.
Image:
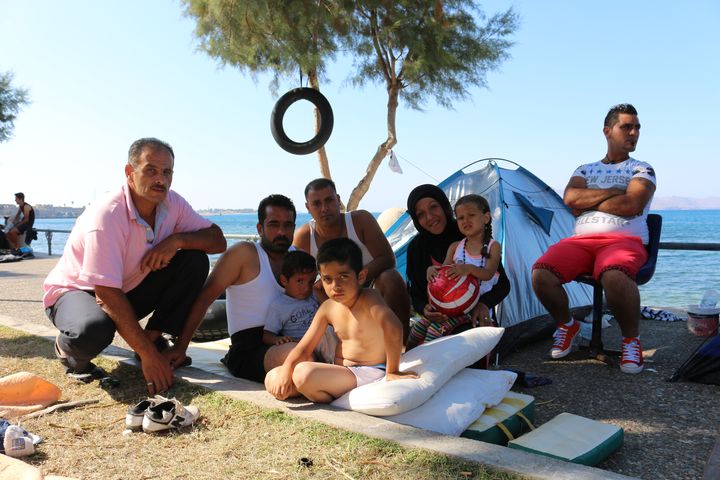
(141, 250)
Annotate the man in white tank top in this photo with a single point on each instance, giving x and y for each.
(328, 222)
(610, 199)
(248, 272)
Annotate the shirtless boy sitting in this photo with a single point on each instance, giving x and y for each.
(369, 334)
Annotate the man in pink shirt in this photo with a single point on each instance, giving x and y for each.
(141, 250)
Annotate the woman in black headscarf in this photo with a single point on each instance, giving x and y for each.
(430, 210)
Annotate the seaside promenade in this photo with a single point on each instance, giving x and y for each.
(670, 428)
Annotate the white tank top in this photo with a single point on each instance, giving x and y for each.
(366, 256)
(247, 304)
(463, 256)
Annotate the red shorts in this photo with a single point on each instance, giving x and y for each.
(585, 254)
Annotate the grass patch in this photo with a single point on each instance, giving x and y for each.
(232, 439)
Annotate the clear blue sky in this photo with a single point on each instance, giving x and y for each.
(102, 74)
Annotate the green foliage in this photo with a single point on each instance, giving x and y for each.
(11, 102)
(423, 48)
(282, 37)
(428, 48)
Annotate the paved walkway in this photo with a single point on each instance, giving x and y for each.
(21, 308)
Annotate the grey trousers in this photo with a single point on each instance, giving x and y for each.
(85, 330)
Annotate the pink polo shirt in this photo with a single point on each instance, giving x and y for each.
(109, 240)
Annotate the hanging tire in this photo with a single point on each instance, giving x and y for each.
(214, 324)
(326, 121)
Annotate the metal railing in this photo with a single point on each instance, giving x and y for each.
(232, 236)
(49, 236)
(710, 247)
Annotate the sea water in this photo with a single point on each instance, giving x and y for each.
(681, 277)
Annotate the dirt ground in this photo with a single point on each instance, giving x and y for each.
(670, 428)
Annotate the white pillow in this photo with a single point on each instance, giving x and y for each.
(460, 401)
(435, 363)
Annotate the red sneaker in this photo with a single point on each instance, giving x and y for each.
(632, 356)
(564, 337)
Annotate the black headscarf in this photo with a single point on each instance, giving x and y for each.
(426, 246)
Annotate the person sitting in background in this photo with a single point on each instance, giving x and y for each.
(478, 254)
(611, 199)
(21, 222)
(430, 210)
(328, 222)
(290, 315)
(141, 250)
(4, 244)
(369, 334)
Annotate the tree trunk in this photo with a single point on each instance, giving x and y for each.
(321, 154)
(362, 187)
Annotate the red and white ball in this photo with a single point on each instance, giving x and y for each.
(453, 297)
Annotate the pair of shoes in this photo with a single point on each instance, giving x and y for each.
(632, 356)
(564, 337)
(136, 413)
(161, 344)
(159, 414)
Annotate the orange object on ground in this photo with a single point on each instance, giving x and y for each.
(23, 392)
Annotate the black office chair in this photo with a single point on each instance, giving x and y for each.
(654, 222)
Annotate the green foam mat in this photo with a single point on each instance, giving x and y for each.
(508, 420)
(572, 438)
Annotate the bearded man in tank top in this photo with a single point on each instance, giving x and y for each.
(249, 274)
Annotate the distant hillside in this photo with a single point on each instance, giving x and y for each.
(686, 203)
(659, 203)
(43, 211)
(225, 211)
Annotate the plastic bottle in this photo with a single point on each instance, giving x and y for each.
(710, 299)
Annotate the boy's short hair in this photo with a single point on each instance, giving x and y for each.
(297, 261)
(341, 250)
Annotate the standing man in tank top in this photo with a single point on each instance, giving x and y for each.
(328, 222)
(249, 274)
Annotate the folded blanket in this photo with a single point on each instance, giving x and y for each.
(657, 314)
